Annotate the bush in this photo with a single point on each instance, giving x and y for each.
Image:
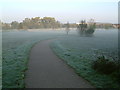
(90, 31)
(105, 66)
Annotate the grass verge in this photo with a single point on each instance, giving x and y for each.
(82, 65)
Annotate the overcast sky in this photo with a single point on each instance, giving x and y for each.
(62, 10)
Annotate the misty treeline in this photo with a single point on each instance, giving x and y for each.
(35, 23)
(46, 23)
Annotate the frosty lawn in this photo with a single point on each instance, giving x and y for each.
(0, 58)
(16, 48)
(78, 52)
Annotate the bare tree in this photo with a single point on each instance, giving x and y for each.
(67, 28)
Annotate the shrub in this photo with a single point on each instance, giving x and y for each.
(90, 30)
(105, 66)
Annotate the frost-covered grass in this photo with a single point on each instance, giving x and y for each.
(79, 53)
(15, 54)
(0, 59)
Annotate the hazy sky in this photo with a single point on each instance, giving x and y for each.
(62, 10)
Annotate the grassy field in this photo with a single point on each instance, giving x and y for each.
(80, 52)
(16, 48)
(0, 59)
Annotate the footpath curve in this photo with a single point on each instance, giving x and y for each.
(46, 70)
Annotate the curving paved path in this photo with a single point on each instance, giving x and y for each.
(46, 70)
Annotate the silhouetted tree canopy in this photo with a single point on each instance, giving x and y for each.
(33, 23)
(86, 28)
(50, 22)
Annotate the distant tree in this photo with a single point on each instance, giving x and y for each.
(67, 28)
(82, 27)
(6, 26)
(86, 29)
(14, 25)
(20, 26)
(91, 27)
(27, 23)
(57, 24)
(33, 23)
(49, 22)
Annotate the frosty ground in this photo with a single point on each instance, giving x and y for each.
(78, 52)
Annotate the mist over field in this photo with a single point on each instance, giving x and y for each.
(17, 45)
(59, 44)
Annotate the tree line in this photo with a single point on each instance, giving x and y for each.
(45, 22)
(35, 23)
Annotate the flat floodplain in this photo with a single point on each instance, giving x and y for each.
(80, 52)
(16, 48)
(77, 51)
